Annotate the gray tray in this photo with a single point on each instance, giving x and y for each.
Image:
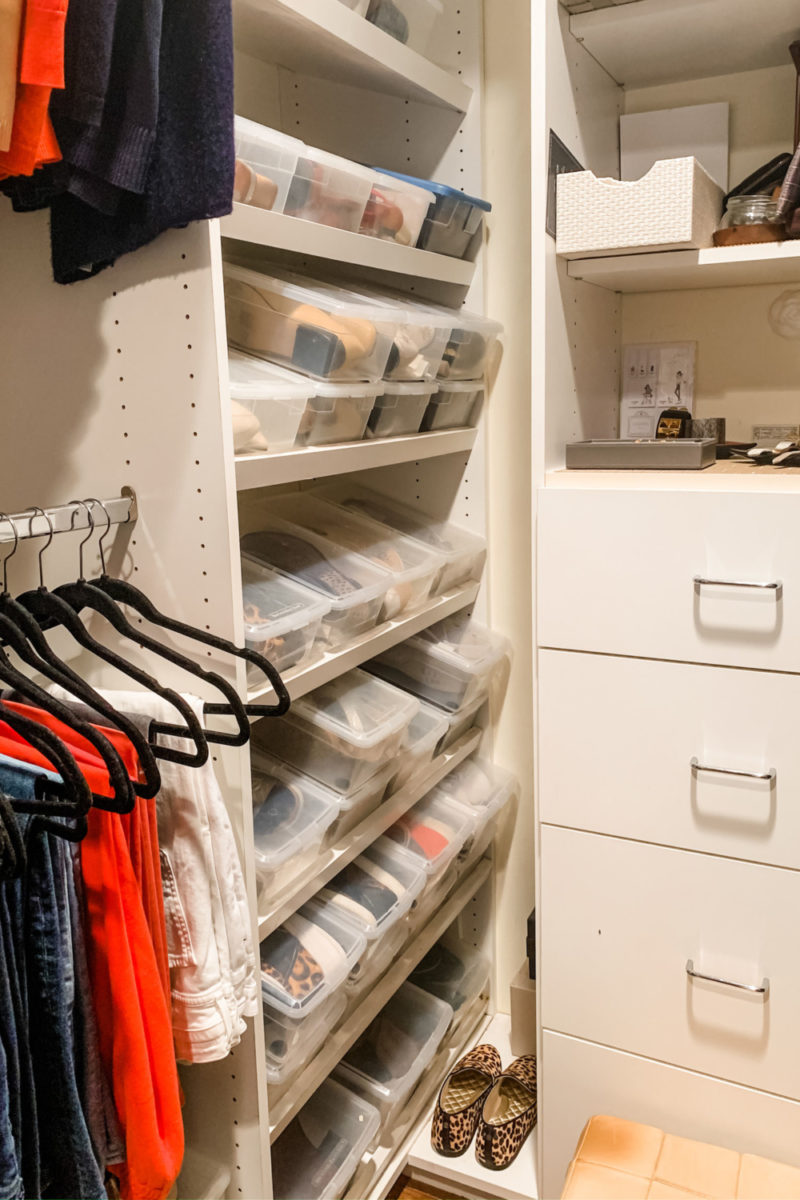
(665, 454)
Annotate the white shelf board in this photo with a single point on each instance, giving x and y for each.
(353, 1026)
(516, 1182)
(337, 857)
(379, 1170)
(316, 462)
(324, 39)
(258, 227)
(678, 270)
(312, 675)
(724, 476)
(670, 41)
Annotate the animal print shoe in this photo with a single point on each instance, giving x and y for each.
(509, 1114)
(460, 1102)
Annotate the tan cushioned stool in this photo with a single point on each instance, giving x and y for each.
(622, 1160)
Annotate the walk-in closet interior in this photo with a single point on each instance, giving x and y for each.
(398, 490)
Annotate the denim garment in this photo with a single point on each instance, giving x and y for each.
(11, 924)
(93, 1085)
(68, 1164)
(11, 1184)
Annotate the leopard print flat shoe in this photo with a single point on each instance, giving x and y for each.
(460, 1102)
(509, 1114)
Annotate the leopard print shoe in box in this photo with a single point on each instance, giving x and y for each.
(460, 1102)
(509, 1114)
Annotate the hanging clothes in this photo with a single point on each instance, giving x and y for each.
(10, 30)
(213, 970)
(41, 69)
(190, 173)
(50, 1136)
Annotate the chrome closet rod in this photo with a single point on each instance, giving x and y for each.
(67, 518)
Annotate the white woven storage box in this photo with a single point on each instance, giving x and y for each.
(675, 206)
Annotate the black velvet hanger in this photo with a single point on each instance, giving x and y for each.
(50, 610)
(70, 797)
(126, 593)
(34, 649)
(84, 593)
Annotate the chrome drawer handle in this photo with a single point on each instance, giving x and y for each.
(701, 581)
(763, 990)
(696, 765)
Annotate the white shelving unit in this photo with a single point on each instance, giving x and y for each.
(324, 39)
(317, 462)
(652, 42)
(648, 532)
(303, 679)
(280, 232)
(687, 270)
(465, 1175)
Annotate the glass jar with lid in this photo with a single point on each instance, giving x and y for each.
(750, 219)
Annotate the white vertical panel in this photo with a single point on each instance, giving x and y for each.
(112, 381)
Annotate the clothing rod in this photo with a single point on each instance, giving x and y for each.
(68, 518)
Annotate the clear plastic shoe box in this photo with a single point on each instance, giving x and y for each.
(329, 190)
(281, 618)
(291, 814)
(314, 328)
(376, 890)
(411, 22)
(354, 587)
(411, 566)
(464, 553)
(434, 831)
(387, 1061)
(454, 405)
(420, 333)
(275, 399)
(289, 1044)
(395, 210)
(483, 790)
(344, 732)
(337, 412)
(449, 664)
(454, 225)
(471, 347)
(317, 1154)
(399, 411)
(423, 736)
(266, 162)
(306, 959)
(453, 971)
(469, 716)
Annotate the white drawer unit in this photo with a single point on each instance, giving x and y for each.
(703, 758)
(584, 1079)
(634, 938)
(697, 577)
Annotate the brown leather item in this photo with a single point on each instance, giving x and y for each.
(616, 1158)
(743, 235)
(10, 25)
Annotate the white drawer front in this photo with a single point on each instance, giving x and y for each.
(579, 1079)
(617, 737)
(620, 922)
(617, 569)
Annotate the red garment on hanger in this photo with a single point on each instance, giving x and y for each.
(141, 832)
(133, 1016)
(33, 141)
(84, 753)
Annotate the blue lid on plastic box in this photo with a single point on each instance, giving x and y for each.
(439, 189)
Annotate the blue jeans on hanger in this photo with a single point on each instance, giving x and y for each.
(67, 1161)
(11, 1184)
